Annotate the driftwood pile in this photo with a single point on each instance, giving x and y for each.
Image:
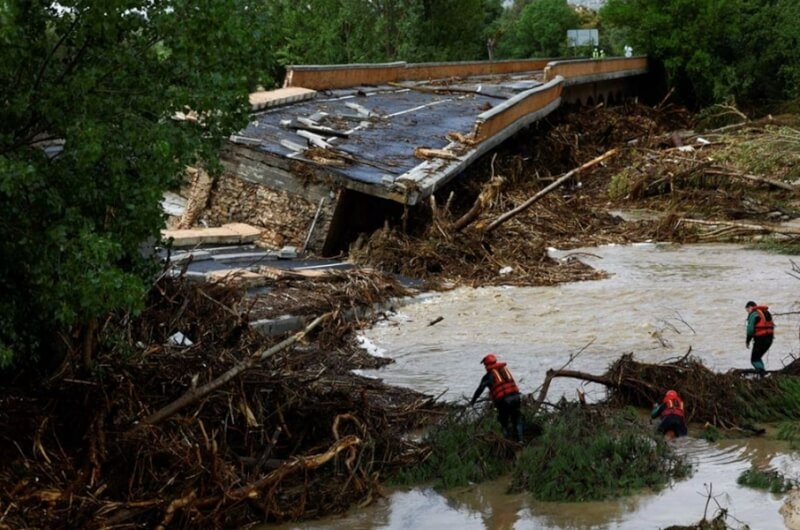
(731, 400)
(292, 434)
(555, 184)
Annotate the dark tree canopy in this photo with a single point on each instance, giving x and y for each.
(716, 49)
(89, 142)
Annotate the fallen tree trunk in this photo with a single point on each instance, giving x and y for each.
(731, 400)
(552, 374)
(527, 204)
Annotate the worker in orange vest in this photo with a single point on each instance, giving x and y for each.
(672, 413)
(505, 396)
(761, 330)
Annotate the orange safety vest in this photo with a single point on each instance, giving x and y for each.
(503, 382)
(674, 407)
(763, 326)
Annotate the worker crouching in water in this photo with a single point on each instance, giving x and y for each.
(505, 396)
(673, 422)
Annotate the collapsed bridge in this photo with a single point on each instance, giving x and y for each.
(339, 148)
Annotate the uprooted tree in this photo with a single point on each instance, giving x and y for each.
(729, 400)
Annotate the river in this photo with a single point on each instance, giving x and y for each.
(659, 300)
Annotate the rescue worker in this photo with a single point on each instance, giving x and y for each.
(505, 396)
(672, 414)
(761, 330)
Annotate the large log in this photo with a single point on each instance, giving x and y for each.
(527, 204)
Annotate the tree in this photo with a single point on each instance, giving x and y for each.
(455, 30)
(344, 31)
(540, 30)
(89, 141)
(716, 49)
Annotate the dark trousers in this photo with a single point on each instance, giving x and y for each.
(760, 347)
(673, 423)
(508, 414)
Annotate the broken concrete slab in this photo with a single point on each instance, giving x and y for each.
(283, 96)
(233, 233)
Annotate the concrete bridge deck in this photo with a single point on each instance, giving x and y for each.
(392, 131)
(377, 138)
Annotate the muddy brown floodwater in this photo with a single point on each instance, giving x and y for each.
(659, 300)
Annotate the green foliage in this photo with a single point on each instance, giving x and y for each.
(717, 49)
(350, 31)
(462, 452)
(789, 247)
(620, 185)
(104, 79)
(780, 403)
(789, 431)
(588, 454)
(770, 480)
(540, 29)
(775, 154)
(710, 433)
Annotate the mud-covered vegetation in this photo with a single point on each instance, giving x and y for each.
(465, 447)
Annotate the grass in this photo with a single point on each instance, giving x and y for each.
(789, 431)
(591, 454)
(583, 454)
(464, 450)
(780, 404)
(770, 480)
(790, 247)
(774, 153)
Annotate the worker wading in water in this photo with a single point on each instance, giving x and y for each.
(673, 422)
(761, 330)
(505, 396)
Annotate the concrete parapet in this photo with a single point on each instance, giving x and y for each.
(321, 77)
(593, 70)
(524, 105)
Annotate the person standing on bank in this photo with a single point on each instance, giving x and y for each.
(505, 396)
(761, 330)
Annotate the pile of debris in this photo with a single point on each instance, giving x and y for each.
(231, 429)
(561, 183)
(731, 400)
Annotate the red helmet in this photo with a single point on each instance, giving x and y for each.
(489, 359)
(671, 394)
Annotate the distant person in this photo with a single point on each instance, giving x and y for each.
(761, 330)
(505, 396)
(673, 422)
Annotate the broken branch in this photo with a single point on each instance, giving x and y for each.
(527, 204)
(195, 394)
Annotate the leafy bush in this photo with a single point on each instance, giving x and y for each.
(589, 454)
(464, 449)
(762, 479)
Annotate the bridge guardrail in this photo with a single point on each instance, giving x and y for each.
(320, 77)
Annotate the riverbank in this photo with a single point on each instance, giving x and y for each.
(297, 435)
